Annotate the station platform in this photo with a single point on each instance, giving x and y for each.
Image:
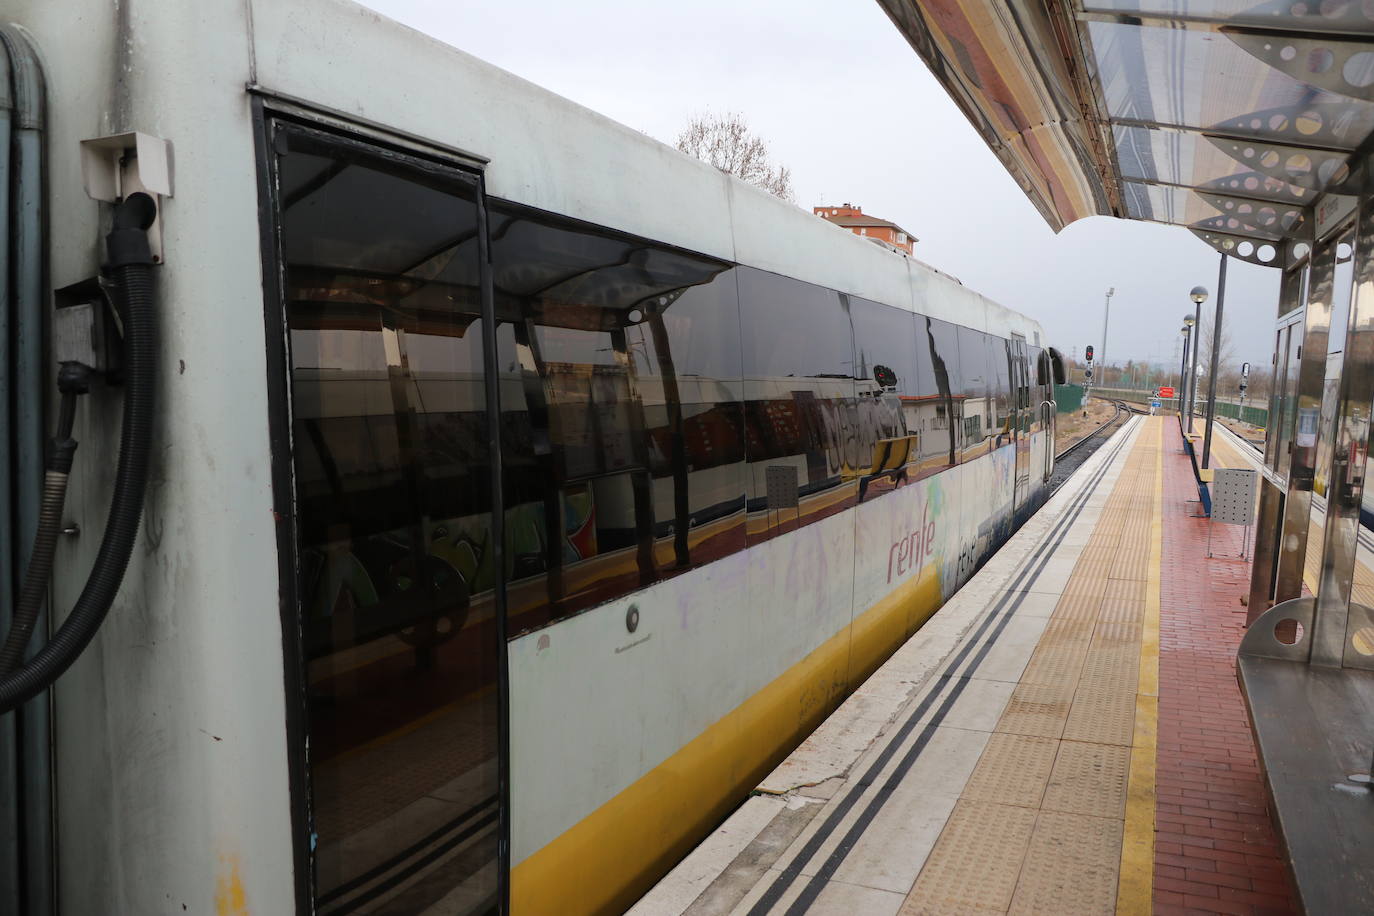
(1065, 736)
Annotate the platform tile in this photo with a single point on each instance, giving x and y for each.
(1037, 709)
(1070, 868)
(975, 865)
(1101, 714)
(1088, 779)
(1013, 770)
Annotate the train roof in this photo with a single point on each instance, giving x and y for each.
(547, 152)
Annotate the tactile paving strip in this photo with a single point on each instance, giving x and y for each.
(975, 865)
(1122, 610)
(1088, 779)
(1062, 745)
(1071, 866)
(1078, 607)
(1013, 770)
(1036, 709)
(1131, 563)
(1102, 715)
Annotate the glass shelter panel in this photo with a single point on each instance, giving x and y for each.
(1202, 79)
(1239, 12)
(393, 507)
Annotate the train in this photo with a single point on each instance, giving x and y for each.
(520, 490)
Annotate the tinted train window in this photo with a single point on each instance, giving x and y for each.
(980, 413)
(621, 415)
(889, 408)
(393, 510)
(799, 395)
(1038, 376)
(999, 389)
(940, 396)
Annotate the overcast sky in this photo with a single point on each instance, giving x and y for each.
(846, 104)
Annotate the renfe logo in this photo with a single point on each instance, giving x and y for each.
(910, 552)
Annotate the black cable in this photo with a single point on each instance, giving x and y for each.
(131, 267)
(34, 591)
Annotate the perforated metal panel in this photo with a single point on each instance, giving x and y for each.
(781, 480)
(1233, 496)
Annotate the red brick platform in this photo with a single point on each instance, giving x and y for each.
(1215, 847)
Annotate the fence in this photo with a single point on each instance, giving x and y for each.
(1068, 397)
(1255, 416)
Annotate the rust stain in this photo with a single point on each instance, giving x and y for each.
(230, 898)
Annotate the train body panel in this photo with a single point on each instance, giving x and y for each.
(829, 512)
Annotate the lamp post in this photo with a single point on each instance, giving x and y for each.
(1183, 387)
(1216, 343)
(1102, 353)
(1198, 295)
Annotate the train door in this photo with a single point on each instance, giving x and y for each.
(392, 602)
(1022, 420)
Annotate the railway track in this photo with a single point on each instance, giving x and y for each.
(1072, 458)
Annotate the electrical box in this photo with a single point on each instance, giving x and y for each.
(116, 166)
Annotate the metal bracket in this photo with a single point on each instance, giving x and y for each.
(116, 166)
(1260, 640)
(1325, 125)
(1338, 65)
(1260, 186)
(1304, 167)
(1261, 251)
(1253, 216)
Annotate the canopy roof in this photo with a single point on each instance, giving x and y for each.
(1247, 123)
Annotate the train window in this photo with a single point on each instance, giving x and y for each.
(621, 412)
(889, 410)
(980, 412)
(939, 394)
(799, 393)
(999, 389)
(393, 507)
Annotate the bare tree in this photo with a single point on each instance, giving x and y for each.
(726, 142)
(1226, 358)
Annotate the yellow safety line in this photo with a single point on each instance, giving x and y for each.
(1135, 886)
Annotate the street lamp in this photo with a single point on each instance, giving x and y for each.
(1199, 296)
(1216, 345)
(1182, 392)
(1102, 354)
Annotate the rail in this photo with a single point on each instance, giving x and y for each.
(1121, 408)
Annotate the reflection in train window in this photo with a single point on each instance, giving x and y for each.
(799, 393)
(938, 383)
(889, 410)
(621, 417)
(393, 505)
(999, 389)
(1038, 376)
(979, 410)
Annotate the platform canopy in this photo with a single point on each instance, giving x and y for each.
(1249, 124)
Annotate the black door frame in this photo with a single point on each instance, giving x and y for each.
(267, 119)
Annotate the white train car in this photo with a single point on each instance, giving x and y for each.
(520, 489)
